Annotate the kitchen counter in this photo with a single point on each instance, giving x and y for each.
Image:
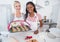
(20, 37)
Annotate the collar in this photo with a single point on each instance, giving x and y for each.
(34, 14)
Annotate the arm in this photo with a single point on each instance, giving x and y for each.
(41, 24)
(40, 20)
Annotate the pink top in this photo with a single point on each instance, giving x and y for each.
(34, 18)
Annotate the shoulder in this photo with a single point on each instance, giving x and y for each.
(38, 14)
(13, 14)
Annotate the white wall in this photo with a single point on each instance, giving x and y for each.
(5, 13)
(46, 10)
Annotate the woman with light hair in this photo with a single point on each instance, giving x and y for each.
(17, 15)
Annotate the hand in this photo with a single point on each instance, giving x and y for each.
(36, 32)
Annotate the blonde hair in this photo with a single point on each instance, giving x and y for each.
(16, 1)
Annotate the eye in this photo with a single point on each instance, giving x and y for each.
(15, 6)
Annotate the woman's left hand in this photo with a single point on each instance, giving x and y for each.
(36, 32)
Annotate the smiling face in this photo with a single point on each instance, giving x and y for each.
(17, 6)
(30, 8)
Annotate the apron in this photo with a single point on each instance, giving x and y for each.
(18, 18)
(33, 25)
